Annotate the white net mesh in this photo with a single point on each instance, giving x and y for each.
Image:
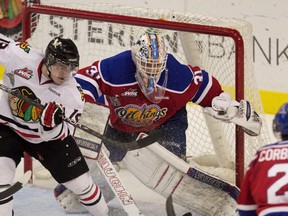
(213, 52)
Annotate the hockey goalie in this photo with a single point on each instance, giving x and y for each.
(158, 169)
(147, 88)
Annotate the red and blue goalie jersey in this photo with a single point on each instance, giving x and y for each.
(130, 111)
(265, 187)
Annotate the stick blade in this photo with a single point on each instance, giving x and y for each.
(17, 186)
(169, 207)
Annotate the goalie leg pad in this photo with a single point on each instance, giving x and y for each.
(158, 174)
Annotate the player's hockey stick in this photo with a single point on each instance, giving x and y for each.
(153, 136)
(16, 186)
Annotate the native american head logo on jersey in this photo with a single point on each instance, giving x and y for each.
(22, 109)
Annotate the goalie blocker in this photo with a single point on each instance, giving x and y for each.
(242, 114)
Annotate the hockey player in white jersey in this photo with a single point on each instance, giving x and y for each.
(42, 132)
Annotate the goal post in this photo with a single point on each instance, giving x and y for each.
(221, 46)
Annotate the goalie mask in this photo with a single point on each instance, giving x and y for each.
(62, 53)
(280, 122)
(150, 57)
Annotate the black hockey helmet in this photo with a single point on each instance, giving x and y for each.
(62, 50)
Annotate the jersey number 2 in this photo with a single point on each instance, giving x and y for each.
(272, 196)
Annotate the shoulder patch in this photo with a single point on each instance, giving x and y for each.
(81, 92)
(24, 46)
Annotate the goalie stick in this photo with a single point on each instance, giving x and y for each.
(116, 184)
(113, 180)
(128, 146)
(100, 159)
(16, 186)
(170, 209)
(111, 175)
(88, 148)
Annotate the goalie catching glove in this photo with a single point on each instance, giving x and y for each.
(242, 114)
(52, 115)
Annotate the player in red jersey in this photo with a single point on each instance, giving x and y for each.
(265, 187)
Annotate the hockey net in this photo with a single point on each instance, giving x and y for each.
(221, 46)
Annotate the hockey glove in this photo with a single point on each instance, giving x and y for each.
(223, 107)
(52, 115)
(248, 119)
(242, 114)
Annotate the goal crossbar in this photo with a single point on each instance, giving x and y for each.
(171, 25)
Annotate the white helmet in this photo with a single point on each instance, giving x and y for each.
(150, 57)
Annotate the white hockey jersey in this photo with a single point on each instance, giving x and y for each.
(22, 65)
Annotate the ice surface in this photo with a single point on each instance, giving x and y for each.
(39, 200)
